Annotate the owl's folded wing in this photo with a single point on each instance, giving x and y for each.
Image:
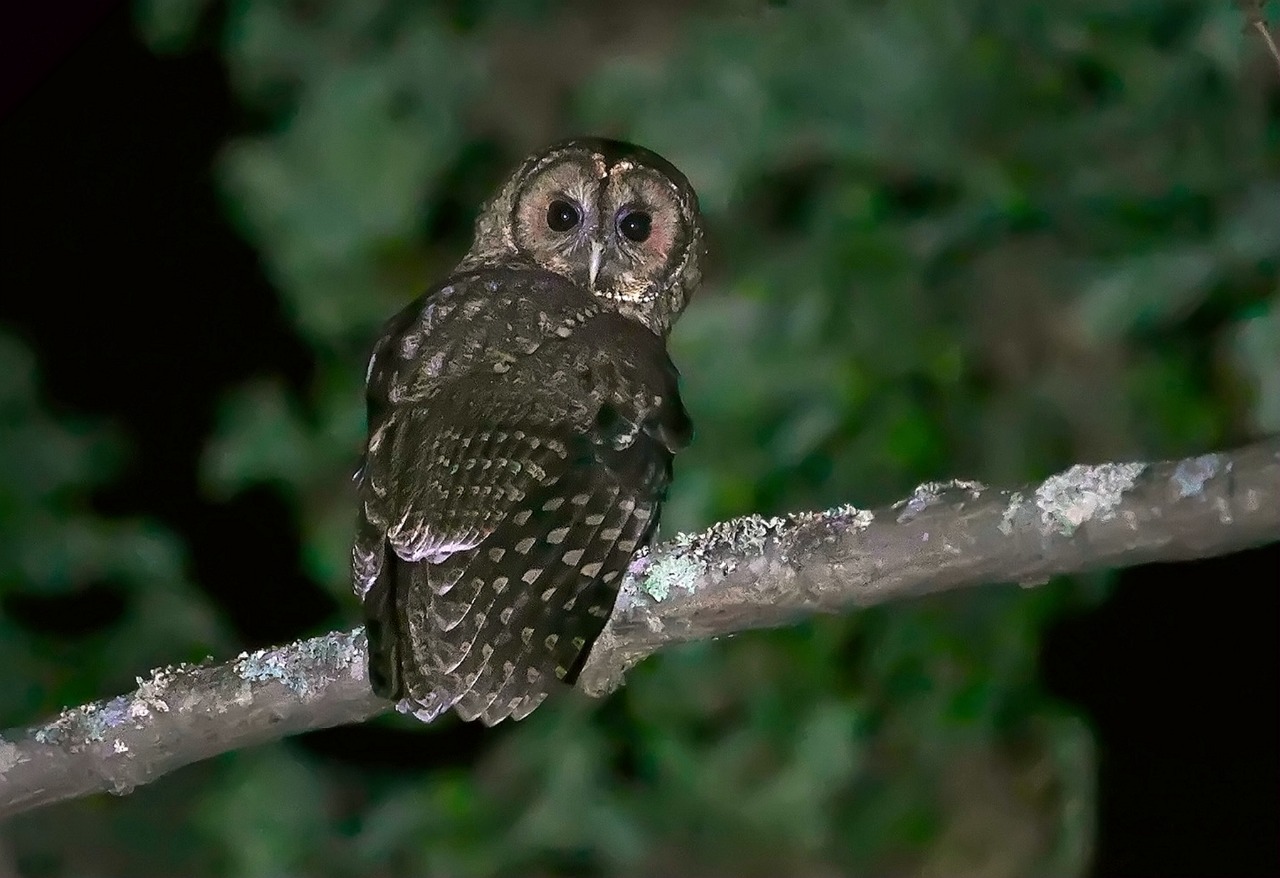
(490, 546)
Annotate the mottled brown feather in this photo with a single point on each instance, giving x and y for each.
(521, 422)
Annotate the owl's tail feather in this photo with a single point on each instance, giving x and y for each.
(380, 631)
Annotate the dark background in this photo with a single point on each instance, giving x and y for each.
(143, 305)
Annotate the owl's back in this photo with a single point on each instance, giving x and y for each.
(521, 441)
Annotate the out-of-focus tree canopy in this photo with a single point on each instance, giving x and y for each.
(973, 238)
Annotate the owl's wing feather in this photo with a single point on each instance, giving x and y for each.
(449, 637)
(497, 521)
(497, 580)
(552, 575)
(557, 630)
(433, 490)
(562, 638)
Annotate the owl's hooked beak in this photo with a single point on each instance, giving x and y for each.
(593, 266)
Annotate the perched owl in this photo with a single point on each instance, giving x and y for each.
(523, 417)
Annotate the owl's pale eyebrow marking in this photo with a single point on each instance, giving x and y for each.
(601, 166)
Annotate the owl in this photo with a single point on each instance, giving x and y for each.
(523, 418)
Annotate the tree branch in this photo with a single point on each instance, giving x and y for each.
(738, 575)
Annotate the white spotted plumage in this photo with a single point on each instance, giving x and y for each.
(522, 429)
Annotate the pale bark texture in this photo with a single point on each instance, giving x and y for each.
(737, 575)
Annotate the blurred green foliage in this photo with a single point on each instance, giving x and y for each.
(51, 542)
(970, 238)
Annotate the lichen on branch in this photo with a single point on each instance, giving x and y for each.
(745, 573)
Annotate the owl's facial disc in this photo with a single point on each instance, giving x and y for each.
(617, 230)
(614, 218)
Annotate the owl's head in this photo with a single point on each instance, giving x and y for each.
(614, 218)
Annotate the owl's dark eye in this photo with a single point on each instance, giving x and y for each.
(562, 216)
(635, 226)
